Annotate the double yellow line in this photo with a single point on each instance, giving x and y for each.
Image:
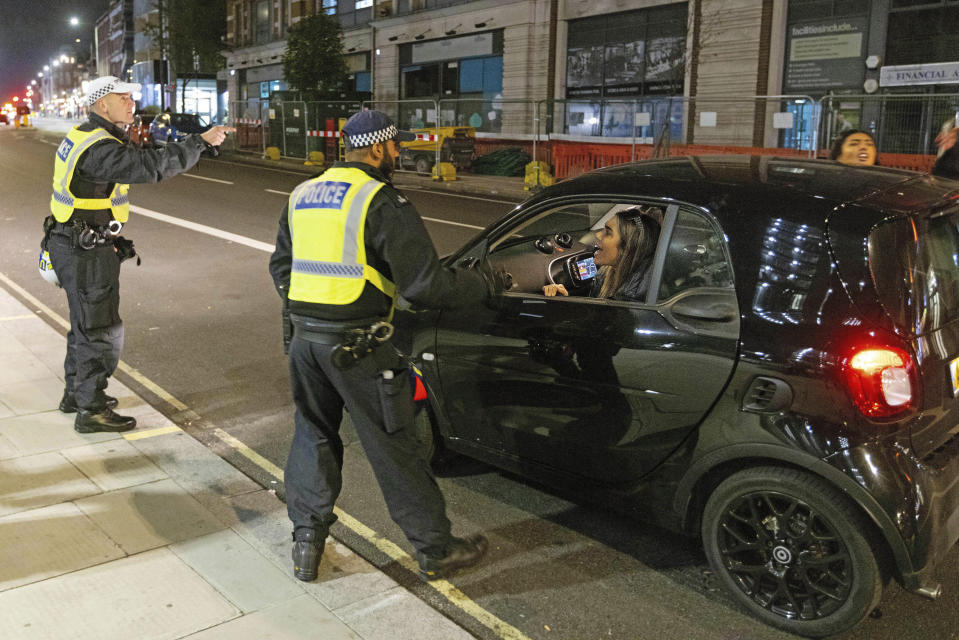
(459, 599)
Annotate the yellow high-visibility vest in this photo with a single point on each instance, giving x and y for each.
(63, 201)
(327, 217)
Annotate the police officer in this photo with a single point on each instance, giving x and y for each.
(348, 247)
(93, 169)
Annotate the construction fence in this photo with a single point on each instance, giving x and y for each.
(577, 135)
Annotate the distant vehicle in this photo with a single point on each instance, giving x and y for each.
(174, 127)
(140, 129)
(457, 145)
(3, 118)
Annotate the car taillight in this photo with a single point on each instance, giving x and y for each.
(881, 380)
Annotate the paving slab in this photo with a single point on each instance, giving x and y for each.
(32, 397)
(36, 481)
(50, 541)
(149, 515)
(237, 571)
(299, 619)
(399, 615)
(115, 464)
(35, 332)
(47, 431)
(205, 475)
(7, 343)
(22, 367)
(7, 448)
(150, 596)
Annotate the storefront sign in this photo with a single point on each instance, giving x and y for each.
(453, 48)
(823, 54)
(914, 74)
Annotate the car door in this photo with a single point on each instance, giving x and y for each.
(600, 388)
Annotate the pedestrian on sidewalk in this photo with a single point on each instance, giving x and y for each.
(93, 170)
(349, 246)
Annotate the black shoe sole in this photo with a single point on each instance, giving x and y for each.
(104, 429)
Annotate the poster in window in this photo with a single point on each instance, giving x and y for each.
(624, 62)
(665, 59)
(584, 66)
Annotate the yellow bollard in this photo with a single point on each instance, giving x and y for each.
(537, 175)
(273, 153)
(444, 171)
(316, 158)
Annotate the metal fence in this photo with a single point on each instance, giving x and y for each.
(576, 135)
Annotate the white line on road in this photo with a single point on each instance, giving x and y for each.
(202, 228)
(282, 193)
(458, 224)
(191, 175)
(455, 195)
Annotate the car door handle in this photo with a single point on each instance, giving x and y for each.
(711, 310)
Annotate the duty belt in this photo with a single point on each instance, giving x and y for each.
(88, 236)
(352, 339)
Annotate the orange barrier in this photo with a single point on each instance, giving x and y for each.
(571, 158)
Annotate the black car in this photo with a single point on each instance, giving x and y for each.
(786, 389)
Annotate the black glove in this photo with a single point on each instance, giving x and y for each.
(125, 249)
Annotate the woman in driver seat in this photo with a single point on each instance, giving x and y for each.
(624, 253)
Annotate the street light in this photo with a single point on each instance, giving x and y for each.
(46, 67)
(74, 21)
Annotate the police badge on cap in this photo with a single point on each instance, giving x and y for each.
(366, 128)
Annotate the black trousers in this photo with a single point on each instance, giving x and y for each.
(313, 469)
(91, 280)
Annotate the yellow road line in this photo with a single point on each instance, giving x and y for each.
(444, 587)
(150, 433)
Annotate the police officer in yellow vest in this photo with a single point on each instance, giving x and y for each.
(349, 246)
(93, 169)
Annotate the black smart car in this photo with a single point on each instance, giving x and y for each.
(786, 387)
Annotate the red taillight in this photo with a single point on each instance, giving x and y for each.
(881, 379)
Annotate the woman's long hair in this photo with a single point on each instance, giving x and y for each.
(638, 235)
(836, 150)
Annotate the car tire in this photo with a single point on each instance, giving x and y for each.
(425, 433)
(793, 550)
(423, 165)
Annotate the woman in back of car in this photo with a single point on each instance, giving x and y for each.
(854, 148)
(625, 247)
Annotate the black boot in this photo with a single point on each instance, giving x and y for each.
(105, 420)
(307, 551)
(68, 404)
(459, 553)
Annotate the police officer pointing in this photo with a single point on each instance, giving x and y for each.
(93, 169)
(349, 245)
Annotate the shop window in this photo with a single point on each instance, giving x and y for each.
(363, 83)
(329, 7)
(421, 81)
(262, 21)
(924, 36)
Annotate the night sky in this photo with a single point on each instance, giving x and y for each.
(32, 32)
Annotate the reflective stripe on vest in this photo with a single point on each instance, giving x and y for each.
(327, 218)
(63, 202)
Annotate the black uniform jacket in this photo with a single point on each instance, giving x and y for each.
(106, 163)
(398, 246)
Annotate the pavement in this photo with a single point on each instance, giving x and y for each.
(149, 534)
(500, 187)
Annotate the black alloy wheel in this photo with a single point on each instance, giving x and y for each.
(793, 550)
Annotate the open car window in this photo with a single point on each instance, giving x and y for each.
(695, 257)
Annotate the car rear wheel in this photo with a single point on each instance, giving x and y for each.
(423, 164)
(793, 550)
(423, 430)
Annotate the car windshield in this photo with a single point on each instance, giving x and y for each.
(915, 268)
(188, 120)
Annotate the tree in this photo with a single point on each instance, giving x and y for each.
(192, 38)
(313, 62)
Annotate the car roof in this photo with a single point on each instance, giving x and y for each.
(821, 179)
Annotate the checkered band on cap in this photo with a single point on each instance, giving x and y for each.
(100, 92)
(361, 140)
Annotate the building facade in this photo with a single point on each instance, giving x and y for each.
(631, 69)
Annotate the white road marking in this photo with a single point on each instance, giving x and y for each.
(282, 193)
(202, 228)
(458, 195)
(191, 175)
(458, 224)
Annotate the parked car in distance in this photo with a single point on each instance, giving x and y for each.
(140, 130)
(173, 127)
(786, 388)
